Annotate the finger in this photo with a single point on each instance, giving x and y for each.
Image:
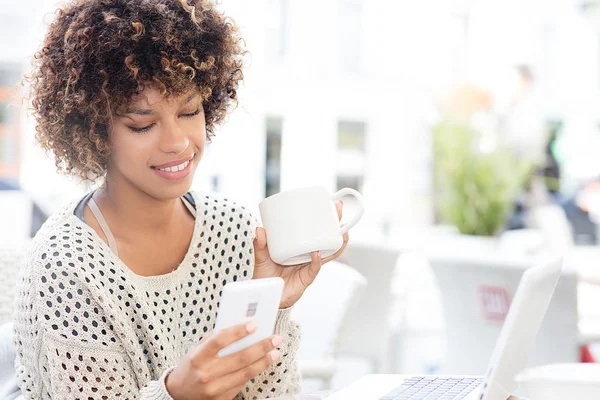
(242, 376)
(260, 238)
(200, 344)
(339, 252)
(339, 205)
(248, 356)
(222, 339)
(312, 270)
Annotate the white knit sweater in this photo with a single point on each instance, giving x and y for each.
(87, 327)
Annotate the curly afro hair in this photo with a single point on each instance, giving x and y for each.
(99, 54)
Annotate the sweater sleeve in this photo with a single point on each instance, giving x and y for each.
(54, 360)
(74, 371)
(66, 369)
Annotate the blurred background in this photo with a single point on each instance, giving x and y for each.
(471, 127)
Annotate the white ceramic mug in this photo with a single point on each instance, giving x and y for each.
(300, 221)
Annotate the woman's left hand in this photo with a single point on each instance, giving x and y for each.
(297, 277)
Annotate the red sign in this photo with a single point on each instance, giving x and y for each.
(494, 302)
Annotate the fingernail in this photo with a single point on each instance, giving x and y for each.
(274, 355)
(277, 340)
(251, 327)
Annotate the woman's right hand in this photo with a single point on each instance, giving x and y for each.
(203, 375)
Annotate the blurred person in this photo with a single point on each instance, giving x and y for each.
(524, 128)
(583, 212)
(551, 166)
(119, 295)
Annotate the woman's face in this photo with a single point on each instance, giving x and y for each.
(157, 143)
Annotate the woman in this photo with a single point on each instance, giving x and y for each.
(119, 295)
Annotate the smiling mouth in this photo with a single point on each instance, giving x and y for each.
(175, 168)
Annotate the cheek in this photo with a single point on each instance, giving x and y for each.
(202, 127)
(202, 137)
(132, 150)
(198, 135)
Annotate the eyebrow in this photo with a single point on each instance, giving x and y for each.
(147, 111)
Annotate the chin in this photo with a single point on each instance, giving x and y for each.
(170, 190)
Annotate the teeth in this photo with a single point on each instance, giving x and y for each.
(175, 168)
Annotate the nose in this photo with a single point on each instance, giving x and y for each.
(173, 139)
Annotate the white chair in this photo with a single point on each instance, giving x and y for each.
(585, 259)
(10, 265)
(11, 260)
(367, 335)
(417, 321)
(558, 233)
(322, 311)
(472, 328)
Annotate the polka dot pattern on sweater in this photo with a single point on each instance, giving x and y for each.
(88, 327)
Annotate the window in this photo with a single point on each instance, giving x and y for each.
(351, 154)
(351, 136)
(354, 182)
(9, 112)
(7, 149)
(9, 75)
(273, 159)
(9, 78)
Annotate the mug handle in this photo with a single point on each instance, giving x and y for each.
(361, 207)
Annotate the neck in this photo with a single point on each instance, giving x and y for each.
(133, 208)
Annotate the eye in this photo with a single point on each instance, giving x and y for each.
(141, 130)
(192, 114)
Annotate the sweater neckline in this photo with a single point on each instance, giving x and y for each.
(184, 264)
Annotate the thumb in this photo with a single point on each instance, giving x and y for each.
(261, 253)
(260, 238)
(314, 267)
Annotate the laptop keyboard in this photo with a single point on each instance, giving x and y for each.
(434, 388)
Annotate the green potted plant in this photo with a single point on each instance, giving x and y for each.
(474, 190)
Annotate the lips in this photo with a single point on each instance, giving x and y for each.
(174, 166)
(175, 171)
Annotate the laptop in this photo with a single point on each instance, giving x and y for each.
(512, 348)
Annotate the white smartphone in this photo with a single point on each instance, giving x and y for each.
(253, 300)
